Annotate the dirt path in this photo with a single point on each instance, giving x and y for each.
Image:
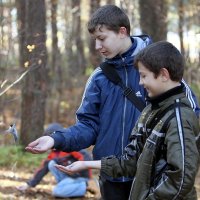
(9, 180)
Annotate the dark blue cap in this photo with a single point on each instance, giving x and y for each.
(52, 127)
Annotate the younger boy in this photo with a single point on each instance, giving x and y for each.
(163, 154)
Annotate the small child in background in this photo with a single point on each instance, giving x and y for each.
(74, 185)
(68, 186)
(43, 169)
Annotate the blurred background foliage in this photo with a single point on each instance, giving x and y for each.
(15, 157)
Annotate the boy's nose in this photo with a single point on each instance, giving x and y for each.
(98, 45)
(140, 82)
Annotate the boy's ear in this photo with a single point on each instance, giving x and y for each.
(123, 31)
(164, 74)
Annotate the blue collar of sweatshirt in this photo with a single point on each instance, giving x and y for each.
(126, 59)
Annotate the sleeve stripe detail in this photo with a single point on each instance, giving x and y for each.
(181, 137)
(189, 95)
(96, 71)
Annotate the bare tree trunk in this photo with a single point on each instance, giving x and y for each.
(131, 9)
(33, 57)
(2, 62)
(181, 24)
(94, 56)
(55, 49)
(153, 18)
(55, 71)
(110, 2)
(11, 51)
(21, 14)
(78, 52)
(2, 45)
(76, 61)
(197, 20)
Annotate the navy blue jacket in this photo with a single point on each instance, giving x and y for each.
(105, 117)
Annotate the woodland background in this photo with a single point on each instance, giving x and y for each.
(46, 54)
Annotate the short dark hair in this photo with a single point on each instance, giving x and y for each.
(111, 16)
(160, 55)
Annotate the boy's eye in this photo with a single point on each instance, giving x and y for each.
(142, 76)
(100, 38)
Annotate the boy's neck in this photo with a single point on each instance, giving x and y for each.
(170, 85)
(127, 43)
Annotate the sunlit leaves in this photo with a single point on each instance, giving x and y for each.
(30, 47)
(26, 64)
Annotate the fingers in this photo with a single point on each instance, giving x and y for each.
(31, 147)
(33, 144)
(40, 145)
(36, 147)
(34, 150)
(64, 169)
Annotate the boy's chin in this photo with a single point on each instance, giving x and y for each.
(150, 95)
(108, 56)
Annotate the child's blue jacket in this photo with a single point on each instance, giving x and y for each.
(105, 117)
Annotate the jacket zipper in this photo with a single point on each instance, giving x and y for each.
(124, 111)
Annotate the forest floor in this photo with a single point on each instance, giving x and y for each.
(10, 179)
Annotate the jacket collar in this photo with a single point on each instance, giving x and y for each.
(155, 101)
(126, 59)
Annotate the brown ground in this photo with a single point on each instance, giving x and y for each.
(9, 179)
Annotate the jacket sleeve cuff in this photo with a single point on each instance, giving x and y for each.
(103, 164)
(107, 166)
(59, 140)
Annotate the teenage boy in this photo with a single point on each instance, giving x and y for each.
(163, 153)
(105, 117)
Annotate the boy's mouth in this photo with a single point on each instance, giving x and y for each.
(104, 53)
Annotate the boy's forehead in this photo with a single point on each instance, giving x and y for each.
(142, 67)
(100, 30)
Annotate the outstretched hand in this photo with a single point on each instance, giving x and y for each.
(40, 145)
(78, 166)
(73, 168)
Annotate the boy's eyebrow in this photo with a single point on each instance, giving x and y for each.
(96, 36)
(99, 36)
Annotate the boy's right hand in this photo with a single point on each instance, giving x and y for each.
(40, 145)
